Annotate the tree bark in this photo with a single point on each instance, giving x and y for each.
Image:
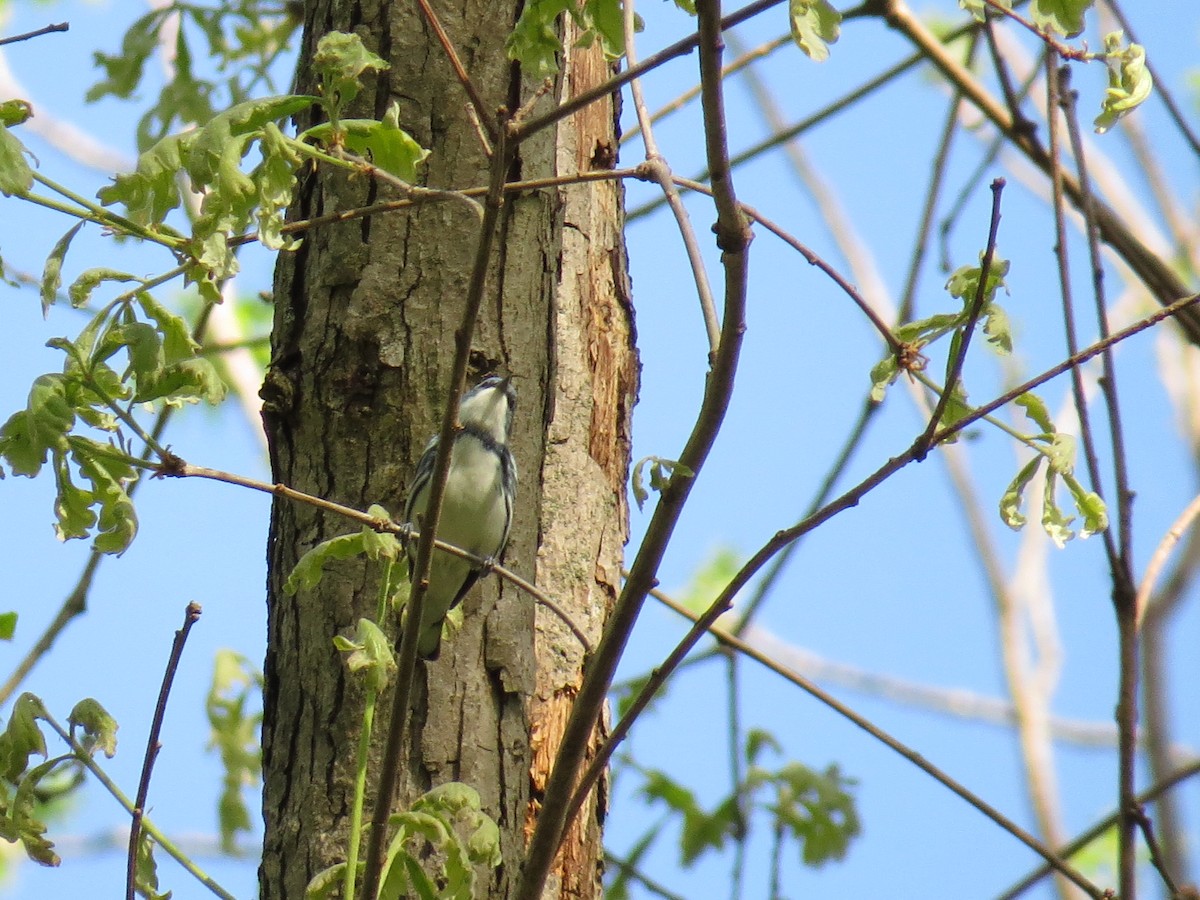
(361, 354)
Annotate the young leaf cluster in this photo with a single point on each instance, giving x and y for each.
(234, 709)
(914, 336)
(813, 809)
(25, 789)
(535, 41)
(243, 38)
(132, 351)
(1056, 451)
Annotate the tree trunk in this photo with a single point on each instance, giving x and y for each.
(361, 354)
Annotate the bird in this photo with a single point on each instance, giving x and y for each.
(477, 506)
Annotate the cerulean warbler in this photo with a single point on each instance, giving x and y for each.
(477, 506)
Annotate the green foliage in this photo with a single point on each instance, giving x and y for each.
(368, 654)
(1057, 453)
(15, 112)
(964, 284)
(385, 143)
(340, 62)
(367, 542)
(535, 43)
(1129, 80)
(16, 178)
(815, 24)
(24, 790)
(8, 626)
(235, 718)
(449, 821)
(160, 363)
(1063, 17)
(243, 38)
(710, 578)
(661, 471)
(814, 809)
(146, 870)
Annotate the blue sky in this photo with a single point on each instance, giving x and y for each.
(889, 586)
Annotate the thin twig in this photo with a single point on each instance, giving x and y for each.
(191, 614)
(955, 367)
(1068, 850)
(483, 116)
(47, 29)
(1156, 856)
(660, 171)
(1161, 554)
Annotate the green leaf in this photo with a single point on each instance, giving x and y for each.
(1010, 503)
(534, 41)
(15, 112)
(815, 25)
(52, 274)
(997, 329)
(30, 434)
(191, 379)
(1129, 80)
(326, 882)
(99, 728)
(964, 282)
(81, 288)
(72, 504)
(1036, 409)
(384, 143)
(8, 626)
(234, 709)
(275, 179)
(818, 809)
(661, 471)
(883, 374)
(1088, 504)
(177, 343)
(146, 870)
(22, 738)
(710, 578)
(929, 328)
(151, 191)
(109, 474)
(1056, 524)
(16, 178)
(341, 61)
(123, 71)
(368, 653)
(1061, 451)
(1063, 17)
(310, 569)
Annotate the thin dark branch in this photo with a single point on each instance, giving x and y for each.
(1156, 855)
(955, 366)
(636, 874)
(484, 117)
(1068, 850)
(1108, 381)
(733, 238)
(811, 257)
(191, 614)
(650, 63)
(48, 29)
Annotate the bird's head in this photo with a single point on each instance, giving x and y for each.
(489, 407)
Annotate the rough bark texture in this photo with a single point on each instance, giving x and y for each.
(362, 347)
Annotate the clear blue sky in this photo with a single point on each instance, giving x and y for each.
(888, 586)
